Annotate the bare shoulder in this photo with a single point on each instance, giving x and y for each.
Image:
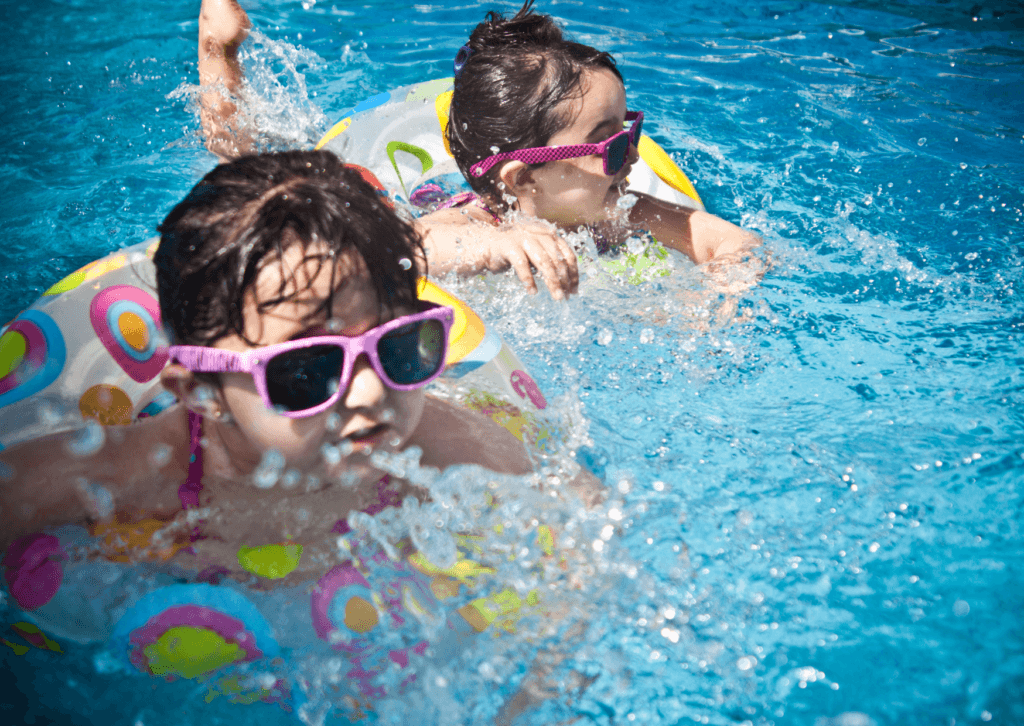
(451, 435)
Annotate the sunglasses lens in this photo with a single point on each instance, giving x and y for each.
(302, 379)
(616, 153)
(413, 353)
(638, 127)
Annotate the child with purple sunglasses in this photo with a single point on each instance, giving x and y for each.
(536, 127)
(289, 291)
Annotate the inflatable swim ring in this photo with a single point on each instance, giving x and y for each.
(398, 136)
(92, 348)
(373, 608)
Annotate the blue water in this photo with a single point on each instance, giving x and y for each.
(818, 479)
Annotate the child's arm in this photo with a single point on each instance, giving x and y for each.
(699, 235)
(468, 242)
(223, 25)
(451, 435)
(65, 478)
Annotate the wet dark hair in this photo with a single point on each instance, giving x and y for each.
(508, 92)
(243, 215)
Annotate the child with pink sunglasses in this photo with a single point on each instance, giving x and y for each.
(536, 127)
(289, 291)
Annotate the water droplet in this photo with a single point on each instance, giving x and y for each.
(330, 454)
(88, 440)
(405, 263)
(922, 141)
(604, 336)
(98, 500)
(160, 455)
(626, 202)
(269, 469)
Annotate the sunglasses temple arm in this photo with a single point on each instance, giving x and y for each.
(200, 359)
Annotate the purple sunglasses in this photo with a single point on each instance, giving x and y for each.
(303, 377)
(614, 150)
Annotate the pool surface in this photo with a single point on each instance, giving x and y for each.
(815, 484)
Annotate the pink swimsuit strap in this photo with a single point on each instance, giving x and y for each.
(464, 198)
(188, 492)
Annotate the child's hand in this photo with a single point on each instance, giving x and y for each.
(534, 245)
(223, 26)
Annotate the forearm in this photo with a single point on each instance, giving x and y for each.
(453, 247)
(699, 235)
(223, 26)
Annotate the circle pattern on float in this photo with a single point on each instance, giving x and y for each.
(13, 347)
(127, 322)
(32, 354)
(107, 404)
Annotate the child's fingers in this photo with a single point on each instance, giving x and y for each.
(551, 267)
(571, 265)
(521, 264)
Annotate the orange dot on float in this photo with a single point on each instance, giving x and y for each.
(360, 616)
(133, 330)
(107, 404)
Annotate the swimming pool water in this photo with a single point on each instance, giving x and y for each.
(817, 480)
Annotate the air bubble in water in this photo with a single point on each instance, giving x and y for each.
(604, 336)
(160, 455)
(97, 498)
(646, 335)
(330, 454)
(88, 440)
(626, 202)
(635, 245)
(922, 141)
(269, 470)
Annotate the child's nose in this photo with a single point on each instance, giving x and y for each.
(366, 390)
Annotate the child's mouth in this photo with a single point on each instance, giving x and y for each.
(367, 437)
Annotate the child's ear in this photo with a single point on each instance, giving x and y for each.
(197, 396)
(517, 177)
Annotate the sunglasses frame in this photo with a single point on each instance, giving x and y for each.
(542, 154)
(203, 359)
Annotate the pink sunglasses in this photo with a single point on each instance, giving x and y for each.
(614, 150)
(303, 377)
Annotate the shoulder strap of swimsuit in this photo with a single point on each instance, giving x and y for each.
(464, 198)
(188, 492)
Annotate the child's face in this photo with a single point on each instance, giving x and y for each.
(577, 191)
(368, 415)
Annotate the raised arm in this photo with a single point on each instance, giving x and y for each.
(699, 235)
(223, 25)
